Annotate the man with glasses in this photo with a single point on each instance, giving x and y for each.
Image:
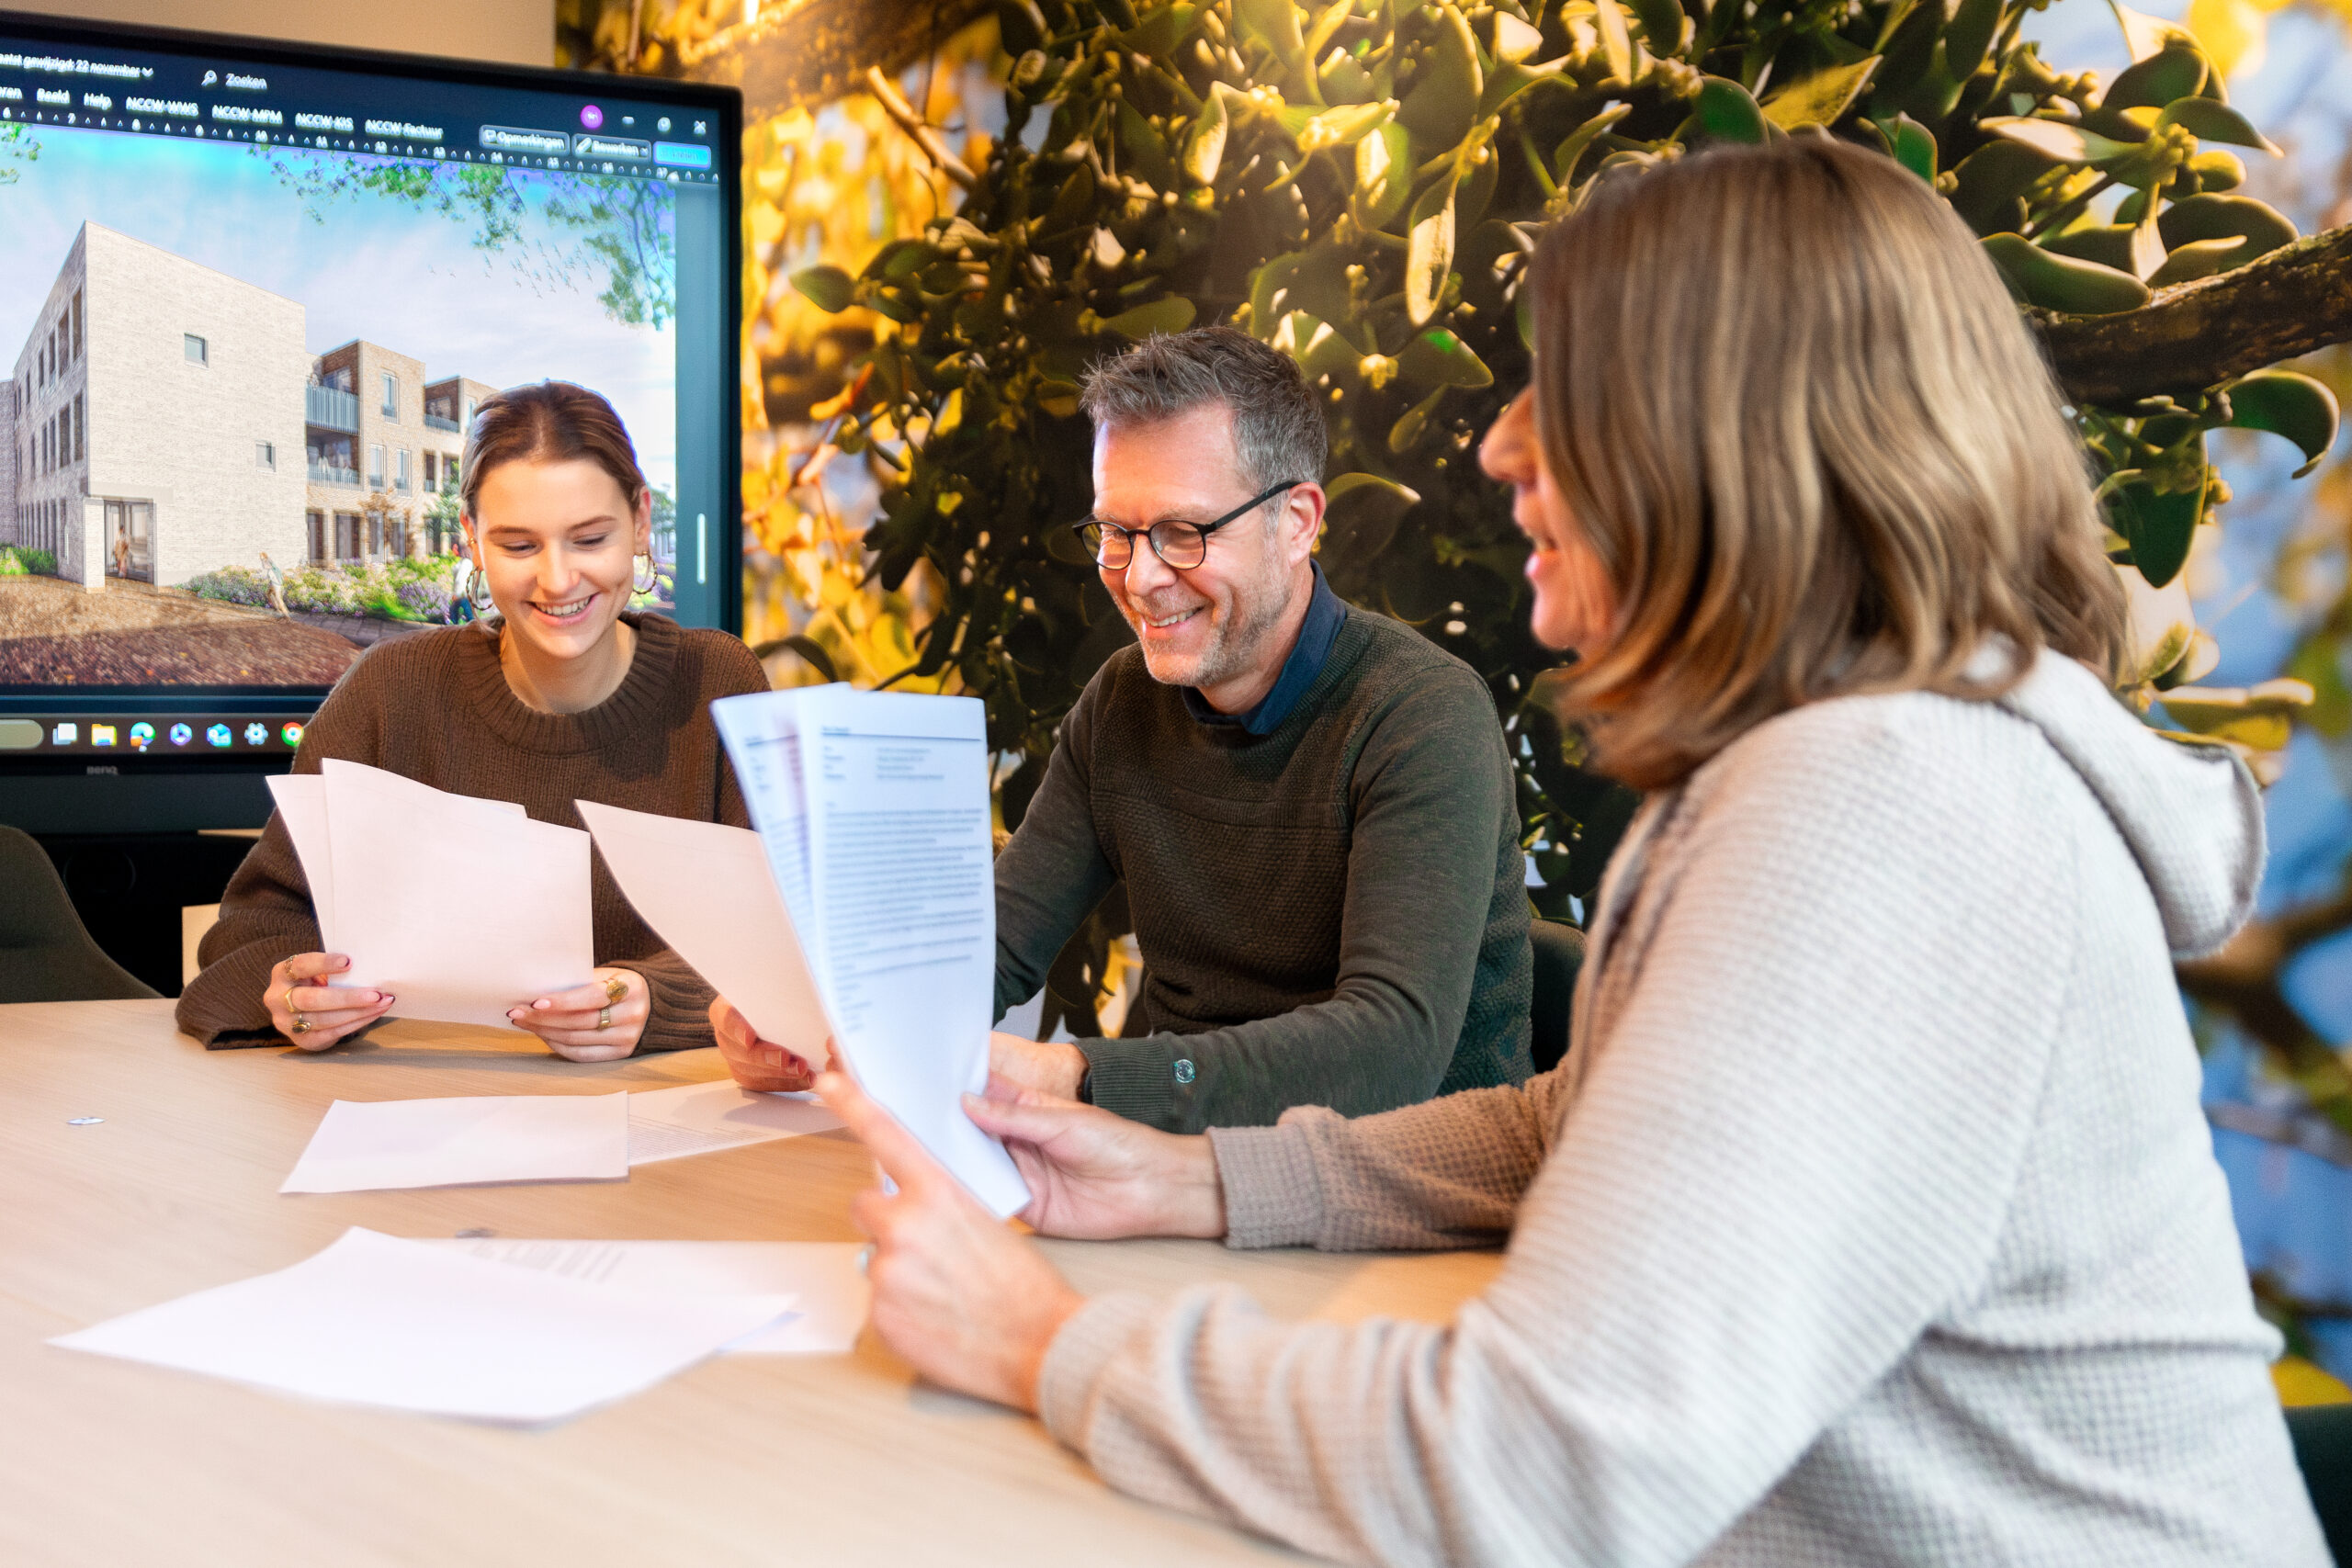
(1310, 804)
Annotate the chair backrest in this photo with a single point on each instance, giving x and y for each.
(2323, 1438)
(45, 954)
(1559, 955)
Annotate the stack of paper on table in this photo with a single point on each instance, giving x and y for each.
(458, 907)
(412, 1326)
(825, 1279)
(366, 1147)
(875, 921)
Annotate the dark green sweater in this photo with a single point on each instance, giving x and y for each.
(1334, 913)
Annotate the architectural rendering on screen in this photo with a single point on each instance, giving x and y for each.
(238, 382)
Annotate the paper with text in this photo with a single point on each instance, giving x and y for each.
(892, 811)
(704, 1118)
(824, 1278)
(461, 908)
(706, 890)
(363, 1146)
(376, 1320)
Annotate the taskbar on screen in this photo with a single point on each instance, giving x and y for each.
(224, 733)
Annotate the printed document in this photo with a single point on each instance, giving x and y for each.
(873, 811)
(412, 1326)
(825, 1279)
(365, 1147)
(461, 908)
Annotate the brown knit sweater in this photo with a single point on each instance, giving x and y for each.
(435, 707)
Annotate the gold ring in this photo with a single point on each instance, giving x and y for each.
(286, 1002)
(604, 1017)
(615, 987)
(301, 1024)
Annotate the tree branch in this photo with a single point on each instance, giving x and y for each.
(926, 135)
(812, 52)
(2295, 299)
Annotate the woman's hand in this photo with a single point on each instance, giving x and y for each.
(1098, 1176)
(962, 1300)
(313, 1016)
(757, 1064)
(600, 1021)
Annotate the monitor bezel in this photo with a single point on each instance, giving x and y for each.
(726, 102)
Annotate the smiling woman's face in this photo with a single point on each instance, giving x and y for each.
(1576, 605)
(556, 541)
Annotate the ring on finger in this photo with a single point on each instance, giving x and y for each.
(615, 987)
(604, 1017)
(301, 1024)
(286, 1002)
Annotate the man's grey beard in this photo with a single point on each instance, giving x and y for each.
(1237, 642)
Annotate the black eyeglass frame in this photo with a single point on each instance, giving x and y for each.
(1102, 530)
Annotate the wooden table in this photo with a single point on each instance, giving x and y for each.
(741, 1459)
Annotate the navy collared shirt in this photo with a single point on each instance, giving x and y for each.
(1325, 611)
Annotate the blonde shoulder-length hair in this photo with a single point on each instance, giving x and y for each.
(1793, 410)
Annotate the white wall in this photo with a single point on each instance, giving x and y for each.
(512, 32)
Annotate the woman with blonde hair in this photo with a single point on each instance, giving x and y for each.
(1872, 1218)
(558, 693)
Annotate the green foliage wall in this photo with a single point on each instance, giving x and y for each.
(1360, 183)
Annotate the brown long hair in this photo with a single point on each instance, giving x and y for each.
(1792, 408)
(548, 422)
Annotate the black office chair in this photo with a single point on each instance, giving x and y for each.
(2322, 1439)
(45, 956)
(1559, 954)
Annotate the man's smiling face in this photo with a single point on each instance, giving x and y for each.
(1204, 627)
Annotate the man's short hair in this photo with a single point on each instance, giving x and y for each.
(1278, 431)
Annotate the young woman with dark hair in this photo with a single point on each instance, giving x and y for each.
(556, 692)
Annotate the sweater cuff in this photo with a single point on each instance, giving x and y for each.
(1074, 1362)
(1272, 1196)
(677, 1002)
(1139, 1079)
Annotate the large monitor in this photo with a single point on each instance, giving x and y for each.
(250, 295)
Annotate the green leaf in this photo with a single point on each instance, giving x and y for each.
(2210, 121)
(1662, 25)
(2066, 144)
(1444, 95)
(1205, 145)
(1914, 146)
(1342, 126)
(1383, 177)
(1968, 35)
(2217, 171)
(1565, 156)
(1276, 22)
(2146, 36)
(2198, 258)
(1075, 201)
(1514, 39)
(827, 287)
(1821, 99)
(1364, 512)
(1142, 144)
(1171, 314)
(1414, 424)
(1019, 27)
(2263, 227)
(1616, 44)
(901, 259)
(2169, 74)
(2161, 527)
(2287, 404)
(2110, 244)
(1429, 253)
(1511, 79)
(1727, 112)
(2062, 283)
(1438, 358)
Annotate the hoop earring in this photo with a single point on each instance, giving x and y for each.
(478, 595)
(652, 574)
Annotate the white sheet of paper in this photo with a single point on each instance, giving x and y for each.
(301, 800)
(366, 1146)
(705, 889)
(376, 1320)
(702, 1118)
(461, 908)
(902, 925)
(829, 1288)
(762, 739)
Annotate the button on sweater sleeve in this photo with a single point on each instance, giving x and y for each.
(1802, 1120)
(1428, 796)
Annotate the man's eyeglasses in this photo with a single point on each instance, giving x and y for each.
(1180, 546)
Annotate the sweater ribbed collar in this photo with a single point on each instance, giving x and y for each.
(637, 705)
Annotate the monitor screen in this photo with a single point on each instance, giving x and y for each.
(251, 296)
